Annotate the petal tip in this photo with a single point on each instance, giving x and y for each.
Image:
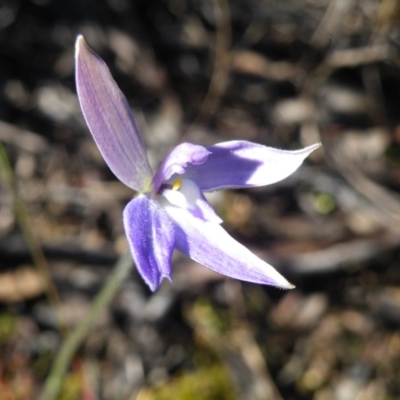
(79, 43)
(278, 280)
(290, 286)
(283, 284)
(169, 277)
(315, 146)
(151, 286)
(306, 151)
(154, 286)
(82, 49)
(151, 283)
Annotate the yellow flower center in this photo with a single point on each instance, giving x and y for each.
(177, 184)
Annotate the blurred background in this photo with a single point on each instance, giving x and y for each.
(281, 73)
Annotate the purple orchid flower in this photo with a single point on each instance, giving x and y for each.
(170, 211)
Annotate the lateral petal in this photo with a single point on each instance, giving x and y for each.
(110, 120)
(210, 245)
(240, 164)
(151, 237)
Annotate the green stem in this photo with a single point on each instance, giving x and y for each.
(34, 246)
(74, 340)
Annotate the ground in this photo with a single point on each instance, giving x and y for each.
(281, 73)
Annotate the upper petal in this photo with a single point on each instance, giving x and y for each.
(110, 119)
(151, 238)
(209, 244)
(177, 161)
(237, 164)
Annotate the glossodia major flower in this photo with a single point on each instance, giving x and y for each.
(170, 211)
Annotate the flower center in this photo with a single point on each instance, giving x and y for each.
(177, 184)
(181, 192)
(185, 194)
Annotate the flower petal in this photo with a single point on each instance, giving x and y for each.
(209, 244)
(110, 119)
(187, 195)
(238, 164)
(177, 160)
(151, 237)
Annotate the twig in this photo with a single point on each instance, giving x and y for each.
(222, 63)
(329, 23)
(22, 138)
(339, 256)
(74, 340)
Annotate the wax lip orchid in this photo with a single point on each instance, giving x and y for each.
(170, 211)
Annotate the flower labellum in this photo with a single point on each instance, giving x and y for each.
(170, 211)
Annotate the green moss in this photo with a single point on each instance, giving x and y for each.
(256, 301)
(71, 387)
(392, 156)
(213, 323)
(41, 365)
(324, 203)
(7, 326)
(212, 383)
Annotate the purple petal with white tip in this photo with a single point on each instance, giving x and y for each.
(210, 245)
(240, 164)
(177, 161)
(110, 119)
(151, 237)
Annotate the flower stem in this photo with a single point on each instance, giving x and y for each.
(32, 241)
(66, 353)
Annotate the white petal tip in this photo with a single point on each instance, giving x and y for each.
(284, 284)
(278, 280)
(306, 151)
(289, 286)
(80, 41)
(314, 147)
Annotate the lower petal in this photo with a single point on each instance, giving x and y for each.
(210, 245)
(151, 236)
